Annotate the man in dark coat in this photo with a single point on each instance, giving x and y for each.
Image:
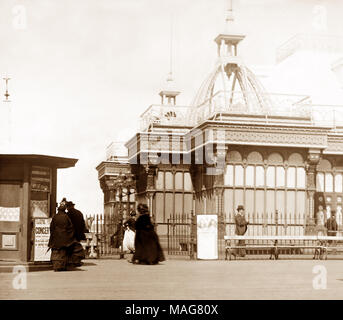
(331, 225)
(241, 227)
(62, 239)
(78, 221)
(147, 246)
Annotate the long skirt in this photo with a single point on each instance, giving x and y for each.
(147, 248)
(67, 257)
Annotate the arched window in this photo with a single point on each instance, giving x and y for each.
(320, 182)
(301, 178)
(271, 177)
(291, 177)
(338, 182)
(280, 177)
(259, 176)
(328, 182)
(228, 177)
(249, 174)
(239, 175)
(160, 180)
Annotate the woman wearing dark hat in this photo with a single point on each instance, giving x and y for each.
(63, 244)
(241, 227)
(147, 246)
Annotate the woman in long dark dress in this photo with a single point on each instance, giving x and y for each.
(65, 249)
(147, 245)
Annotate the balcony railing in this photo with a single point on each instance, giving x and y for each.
(165, 115)
(265, 107)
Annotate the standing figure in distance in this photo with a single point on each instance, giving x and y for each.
(241, 228)
(147, 246)
(331, 225)
(321, 221)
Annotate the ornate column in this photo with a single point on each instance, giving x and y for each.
(221, 151)
(150, 188)
(312, 161)
(108, 186)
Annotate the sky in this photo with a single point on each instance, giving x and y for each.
(82, 71)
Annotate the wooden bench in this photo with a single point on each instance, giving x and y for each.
(318, 243)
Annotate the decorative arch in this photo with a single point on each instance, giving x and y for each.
(234, 156)
(324, 165)
(295, 159)
(275, 158)
(254, 157)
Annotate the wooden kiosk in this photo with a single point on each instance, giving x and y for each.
(27, 203)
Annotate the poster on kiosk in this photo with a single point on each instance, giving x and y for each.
(207, 236)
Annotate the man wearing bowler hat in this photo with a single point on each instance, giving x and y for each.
(78, 221)
(241, 227)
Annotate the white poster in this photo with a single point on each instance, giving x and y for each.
(207, 236)
(42, 235)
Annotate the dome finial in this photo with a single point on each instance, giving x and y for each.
(229, 19)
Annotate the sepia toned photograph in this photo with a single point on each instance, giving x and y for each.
(154, 152)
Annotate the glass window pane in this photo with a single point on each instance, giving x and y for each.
(188, 203)
(239, 175)
(259, 176)
(320, 182)
(249, 174)
(291, 177)
(271, 177)
(178, 180)
(159, 205)
(168, 205)
(328, 182)
(169, 180)
(178, 203)
(280, 176)
(228, 177)
(339, 215)
(159, 180)
(338, 182)
(228, 203)
(301, 178)
(188, 182)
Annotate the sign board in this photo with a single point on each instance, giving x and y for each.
(207, 236)
(41, 239)
(40, 179)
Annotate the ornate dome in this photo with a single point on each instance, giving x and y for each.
(233, 89)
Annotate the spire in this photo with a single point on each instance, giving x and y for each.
(168, 95)
(229, 19)
(227, 42)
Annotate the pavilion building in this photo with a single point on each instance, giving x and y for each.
(236, 144)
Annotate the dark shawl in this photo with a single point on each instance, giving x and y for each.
(61, 231)
(79, 224)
